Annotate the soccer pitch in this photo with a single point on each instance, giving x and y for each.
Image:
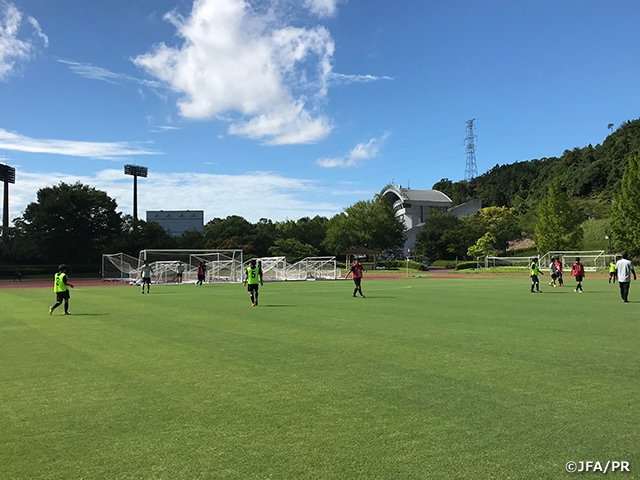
(425, 378)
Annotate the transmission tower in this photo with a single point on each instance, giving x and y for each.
(470, 169)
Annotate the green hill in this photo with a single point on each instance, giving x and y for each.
(590, 175)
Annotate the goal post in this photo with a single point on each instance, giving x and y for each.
(592, 260)
(119, 267)
(314, 268)
(514, 262)
(273, 268)
(221, 265)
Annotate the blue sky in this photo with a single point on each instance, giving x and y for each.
(290, 108)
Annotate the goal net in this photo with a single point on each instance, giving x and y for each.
(314, 268)
(220, 265)
(515, 262)
(119, 267)
(591, 259)
(273, 268)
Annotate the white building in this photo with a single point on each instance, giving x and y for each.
(413, 207)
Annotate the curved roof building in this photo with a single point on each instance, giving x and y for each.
(413, 205)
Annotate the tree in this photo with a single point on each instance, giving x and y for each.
(311, 231)
(370, 223)
(70, 223)
(190, 240)
(484, 246)
(231, 232)
(265, 233)
(139, 235)
(625, 227)
(502, 223)
(431, 241)
(558, 226)
(292, 249)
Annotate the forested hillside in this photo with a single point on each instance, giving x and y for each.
(589, 175)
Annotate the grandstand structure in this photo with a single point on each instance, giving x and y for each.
(222, 266)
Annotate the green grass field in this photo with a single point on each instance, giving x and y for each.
(465, 378)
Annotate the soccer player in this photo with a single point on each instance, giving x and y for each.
(61, 288)
(624, 269)
(146, 275)
(357, 270)
(559, 272)
(578, 272)
(612, 271)
(553, 272)
(179, 271)
(253, 277)
(202, 269)
(534, 272)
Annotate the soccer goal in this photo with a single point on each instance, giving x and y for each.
(514, 262)
(273, 268)
(314, 268)
(591, 259)
(119, 267)
(220, 265)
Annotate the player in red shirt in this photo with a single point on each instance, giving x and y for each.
(357, 270)
(578, 272)
(559, 272)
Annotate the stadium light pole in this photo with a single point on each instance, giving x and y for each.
(136, 171)
(7, 176)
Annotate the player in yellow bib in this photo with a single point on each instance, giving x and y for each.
(253, 278)
(61, 289)
(534, 272)
(612, 272)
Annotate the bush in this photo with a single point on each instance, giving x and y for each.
(466, 265)
(445, 264)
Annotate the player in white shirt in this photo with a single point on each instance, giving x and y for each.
(624, 270)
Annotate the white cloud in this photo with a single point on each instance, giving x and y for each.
(322, 8)
(362, 151)
(344, 79)
(235, 60)
(279, 197)
(13, 48)
(94, 72)
(36, 26)
(99, 150)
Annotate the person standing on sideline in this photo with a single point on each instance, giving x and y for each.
(357, 270)
(146, 275)
(553, 272)
(624, 269)
(612, 271)
(179, 271)
(559, 272)
(61, 288)
(18, 275)
(578, 272)
(253, 278)
(534, 272)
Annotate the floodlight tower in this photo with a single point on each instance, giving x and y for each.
(136, 171)
(470, 169)
(7, 175)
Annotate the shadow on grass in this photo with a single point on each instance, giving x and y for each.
(279, 306)
(83, 315)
